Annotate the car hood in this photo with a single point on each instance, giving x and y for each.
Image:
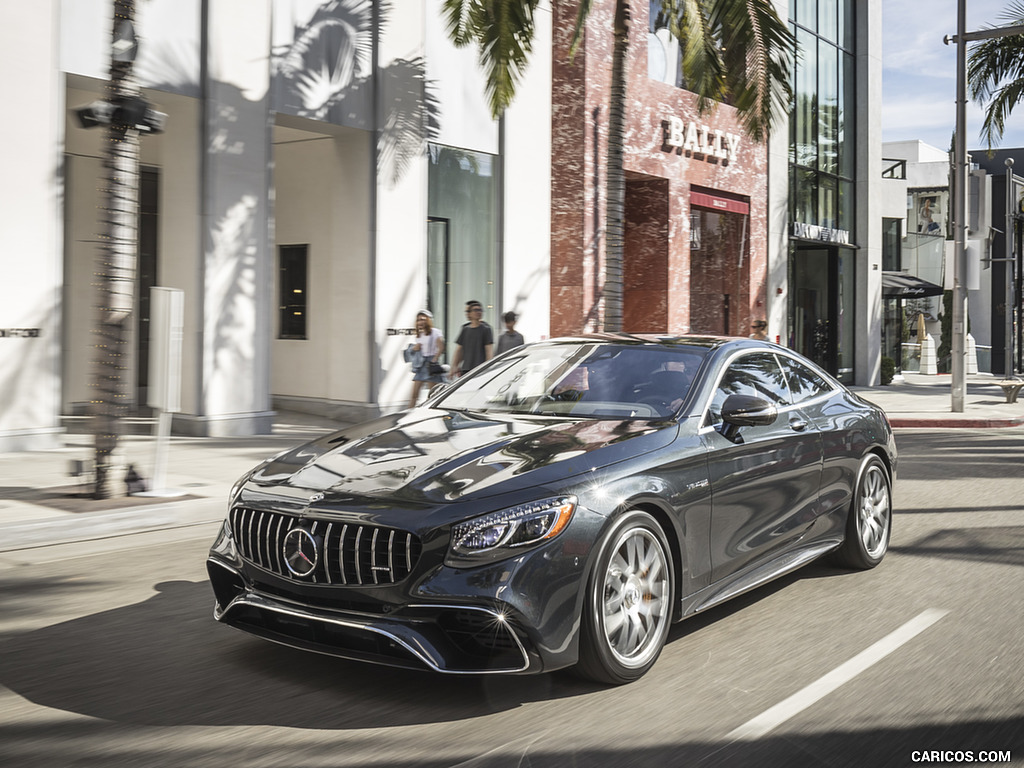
(428, 456)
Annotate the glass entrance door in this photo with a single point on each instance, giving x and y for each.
(822, 282)
(438, 277)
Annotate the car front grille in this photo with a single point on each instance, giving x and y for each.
(345, 553)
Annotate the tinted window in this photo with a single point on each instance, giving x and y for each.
(757, 375)
(803, 382)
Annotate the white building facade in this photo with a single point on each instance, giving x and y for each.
(325, 173)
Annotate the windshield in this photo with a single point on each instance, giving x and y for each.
(596, 380)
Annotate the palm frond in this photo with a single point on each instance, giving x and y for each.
(503, 32)
(582, 13)
(758, 50)
(703, 65)
(995, 74)
(999, 109)
(457, 19)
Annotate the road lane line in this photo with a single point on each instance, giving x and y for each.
(802, 699)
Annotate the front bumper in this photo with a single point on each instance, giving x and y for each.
(451, 638)
(404, 606)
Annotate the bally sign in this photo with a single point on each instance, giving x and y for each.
(699, 139)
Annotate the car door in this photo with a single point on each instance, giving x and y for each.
(764, 483)
(823, 403)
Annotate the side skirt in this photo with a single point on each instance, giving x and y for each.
(756, 576)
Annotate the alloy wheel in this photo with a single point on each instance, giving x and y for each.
(635, 605)
(874, 512)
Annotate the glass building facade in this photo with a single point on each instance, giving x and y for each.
(822, 169)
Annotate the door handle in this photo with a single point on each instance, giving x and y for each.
(797, 425)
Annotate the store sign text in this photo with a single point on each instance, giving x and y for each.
(699, 139)
(814, 232)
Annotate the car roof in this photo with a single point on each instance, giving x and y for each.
(654, 339)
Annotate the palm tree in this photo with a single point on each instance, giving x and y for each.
(116, 263)
(995, 74)
(735, 51)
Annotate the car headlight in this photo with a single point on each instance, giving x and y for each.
(500, 534)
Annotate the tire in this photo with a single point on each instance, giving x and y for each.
(629, 602)
(869, 523)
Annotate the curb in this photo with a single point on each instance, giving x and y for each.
(70, 529)
(940, 423)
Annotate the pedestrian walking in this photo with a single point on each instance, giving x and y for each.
(475, 344)
(511, 338)
(760, 330)
(424, 354)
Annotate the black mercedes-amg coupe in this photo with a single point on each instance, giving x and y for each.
(559, 506)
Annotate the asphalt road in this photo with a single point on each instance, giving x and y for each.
(109, 656)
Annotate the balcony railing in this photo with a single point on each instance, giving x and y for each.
(894, 169)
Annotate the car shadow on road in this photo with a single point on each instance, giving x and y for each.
(165, 661)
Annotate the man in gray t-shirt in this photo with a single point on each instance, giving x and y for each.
(511, 338)
(475, 344)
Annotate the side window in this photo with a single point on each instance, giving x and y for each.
(803, 382)
(757, 375)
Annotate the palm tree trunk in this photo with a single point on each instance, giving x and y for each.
(616, 203)
(115, 273)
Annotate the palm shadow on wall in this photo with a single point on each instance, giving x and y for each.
(326, 73)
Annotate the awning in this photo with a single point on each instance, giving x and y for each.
(719, 203)
(900, 285)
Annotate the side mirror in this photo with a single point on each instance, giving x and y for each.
(745, 411)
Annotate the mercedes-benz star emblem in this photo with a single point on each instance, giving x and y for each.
(300, 553)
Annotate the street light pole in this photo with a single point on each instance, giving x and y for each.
(959, 181)
(1011, 235)
(959, 367)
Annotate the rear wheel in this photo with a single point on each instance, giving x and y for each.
(870, 521)
(628, 606)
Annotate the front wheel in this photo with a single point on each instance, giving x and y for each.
(628, 607)
(870, 521)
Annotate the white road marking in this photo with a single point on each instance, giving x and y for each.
(802, 699)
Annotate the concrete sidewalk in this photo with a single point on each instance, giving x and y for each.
(926, 401)
(40, 502)
(39, 506)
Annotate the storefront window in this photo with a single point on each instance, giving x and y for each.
(892, 311)
(293, 261)
(719, 271)
(828, 107)
(805, 151)
(845, 308)
(462, 235)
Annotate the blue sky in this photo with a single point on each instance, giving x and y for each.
(919, 72)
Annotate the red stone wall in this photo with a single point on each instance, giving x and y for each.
(657, 264)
